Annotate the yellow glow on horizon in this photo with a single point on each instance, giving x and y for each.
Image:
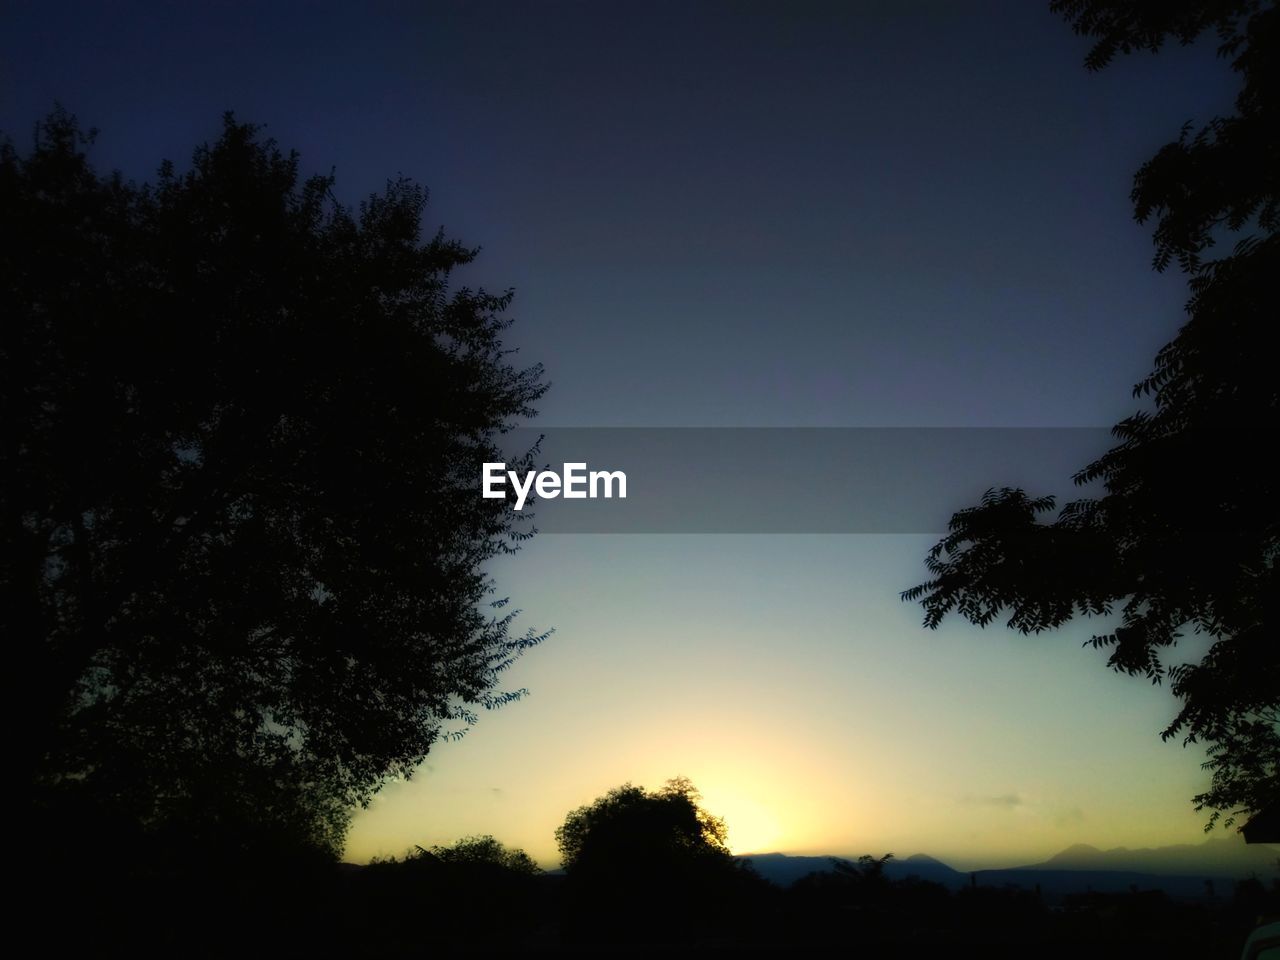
(753, 827)
(808, 727)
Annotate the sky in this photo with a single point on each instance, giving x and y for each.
(865, 214)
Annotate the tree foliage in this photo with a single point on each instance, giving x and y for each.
(651, 864)
(1184, 536)
(242, 428)
(629, 824)
(486, 851)
(868, 870)
(454, 897)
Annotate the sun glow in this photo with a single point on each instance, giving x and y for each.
(752, 826)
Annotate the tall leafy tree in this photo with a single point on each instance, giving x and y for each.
(242, 432)
(1183, 538)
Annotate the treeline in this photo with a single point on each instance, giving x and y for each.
(644, 871)
(437, 901)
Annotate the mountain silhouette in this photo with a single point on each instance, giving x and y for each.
(784, 869)
(1180, 870)
(1221, 856)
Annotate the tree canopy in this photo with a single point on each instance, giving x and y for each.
(648, 864)
(1183, 538)
(476, 891)
(242, 428)
(485, 851)
(629, 823)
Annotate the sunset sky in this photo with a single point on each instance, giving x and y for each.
(863, 214)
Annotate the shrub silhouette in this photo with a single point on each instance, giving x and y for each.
(651, 866)
(477, 891)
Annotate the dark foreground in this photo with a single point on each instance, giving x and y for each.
(426, 907)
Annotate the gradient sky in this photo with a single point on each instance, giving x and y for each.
(862, 214)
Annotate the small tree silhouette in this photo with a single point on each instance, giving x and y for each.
(650, 865)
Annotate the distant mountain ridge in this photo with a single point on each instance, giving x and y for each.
(1181, 870)
(1212, 856)
(785, 869)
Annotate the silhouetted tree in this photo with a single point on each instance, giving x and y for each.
(650, 865)
(477, 891)
(847, 882)
(1184, 536)
(242, 432)
(858, 900)
(868, 871)
(486, 851)
(636, 823)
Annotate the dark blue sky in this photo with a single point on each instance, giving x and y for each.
(713, 214)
